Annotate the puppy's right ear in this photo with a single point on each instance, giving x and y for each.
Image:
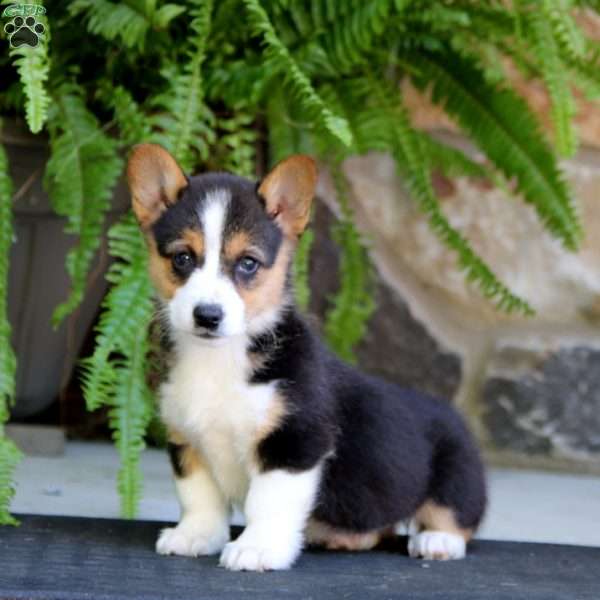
(155, 180)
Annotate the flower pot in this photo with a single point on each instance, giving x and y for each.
(38, 280)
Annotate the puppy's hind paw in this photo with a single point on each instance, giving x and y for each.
(437, 545)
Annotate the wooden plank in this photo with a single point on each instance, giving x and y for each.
(62, 558)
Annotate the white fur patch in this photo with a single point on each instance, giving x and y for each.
(276, 509)
(437, 545)
(209, 285)
(208, 400)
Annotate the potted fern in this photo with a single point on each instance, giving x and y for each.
(238, 84)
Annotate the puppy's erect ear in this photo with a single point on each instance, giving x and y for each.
(288, 191)
(155, 181)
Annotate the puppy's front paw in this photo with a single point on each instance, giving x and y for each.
(437, 545)
(246, 555)
(189, 540)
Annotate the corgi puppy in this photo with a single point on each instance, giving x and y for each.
(260, 415)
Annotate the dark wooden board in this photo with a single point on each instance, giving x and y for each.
(64, 558)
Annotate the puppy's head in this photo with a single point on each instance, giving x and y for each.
(220, 246)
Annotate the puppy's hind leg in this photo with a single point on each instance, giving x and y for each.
(456, 500)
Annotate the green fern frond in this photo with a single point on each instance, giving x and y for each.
(502, 125)
(126, 310)
(7, 356)
(115, 375)
(82, 170)
(349, 40)
(301, 270)
(353, 304)
(237, 142)
(129, 416)
(9, 454)
(185, 123)
(129, 21)
(411, 161)
(543, 20)
(281, 61)
(33, 66)
(132, 122)
(10, 457)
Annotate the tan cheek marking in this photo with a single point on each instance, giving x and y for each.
(235, 245)
(267, 287)
(435, 517)
(161, 273)
(322, 534)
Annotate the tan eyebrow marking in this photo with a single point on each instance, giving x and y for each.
(237, 244)
(190, 238)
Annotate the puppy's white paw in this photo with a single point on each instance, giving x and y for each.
(245, 555)
(437, 545)
(189, 540)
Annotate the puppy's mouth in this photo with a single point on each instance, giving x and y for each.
(207, 335)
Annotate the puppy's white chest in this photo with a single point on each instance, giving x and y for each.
(208, 400)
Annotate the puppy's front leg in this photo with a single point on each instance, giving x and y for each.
(277, 507)
(204, 524)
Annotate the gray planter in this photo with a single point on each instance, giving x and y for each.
(38, 281)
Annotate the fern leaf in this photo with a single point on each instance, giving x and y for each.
(126, 309)
(301, 270)
(185, 122)
(501, 123)
(410, 158)
(542, 20)
(128, 418)
(132, 122)
(9, 454)
(281, 60)
(33, 66)
(353, 304)
(7, 356)
(129, 22)
(115, 375)
(82, 170)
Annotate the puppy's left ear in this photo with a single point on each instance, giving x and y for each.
(288, 191)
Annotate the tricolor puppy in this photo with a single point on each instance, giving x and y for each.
(261, 416)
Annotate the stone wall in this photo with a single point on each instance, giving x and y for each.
(529, 386)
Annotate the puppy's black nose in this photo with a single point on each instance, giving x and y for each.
(208, 316)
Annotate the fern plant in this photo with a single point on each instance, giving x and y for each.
(238, 85)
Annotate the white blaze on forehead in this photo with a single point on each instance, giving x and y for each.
(210, 284)
(212, 217)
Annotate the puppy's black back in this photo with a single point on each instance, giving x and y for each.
(391, 449)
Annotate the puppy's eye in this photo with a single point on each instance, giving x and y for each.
(247, 266)
(183, 262)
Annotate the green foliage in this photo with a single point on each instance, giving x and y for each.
(185, 121)
(353, 304)
(302, 270)
(33, 66)
(235, 86)
(9, 455)
(281, 61)
(115, 374)
(502, 124)
(129, 22)
(80, 175)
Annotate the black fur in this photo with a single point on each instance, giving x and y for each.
(175, 452)
(390, 448)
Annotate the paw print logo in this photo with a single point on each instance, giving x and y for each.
(24, 32)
